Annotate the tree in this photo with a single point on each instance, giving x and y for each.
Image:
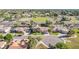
(63, 12)
(1, 36)
(63, 19)
(16, 24)
(8, 37)
(61, 45)
(51, 46)
(30, 28)
(70, 33)
(55, 14)
(32, 42)
(48, 22)
(7, 16)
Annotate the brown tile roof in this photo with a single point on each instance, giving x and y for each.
(15, 45)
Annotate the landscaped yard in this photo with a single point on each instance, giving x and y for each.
(74, 43)
(40, 19)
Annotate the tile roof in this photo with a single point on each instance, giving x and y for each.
(15, 45)
(51, 40)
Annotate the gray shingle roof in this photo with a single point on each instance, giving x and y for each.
(51, 40)
(19, 38)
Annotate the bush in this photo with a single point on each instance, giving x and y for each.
(32, 42)
(8, 37)
(70, 33)
(61, 45)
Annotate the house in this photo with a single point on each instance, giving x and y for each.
(76, 26)
(1, 19)
(44, 30)
(4, 29)
(41, 29)
(2, 44)
(17, 29)
(6, 23)
(23, 30)
(23, 23)
(61, 29)
(19, 38)
(19, 42)
(48, 40)
(16, 45)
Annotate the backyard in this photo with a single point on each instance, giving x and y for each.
(40, 19)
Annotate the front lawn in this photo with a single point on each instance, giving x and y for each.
(18, 33)
(37, 33)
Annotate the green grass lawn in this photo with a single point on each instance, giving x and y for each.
(54, 33)
(76, 31)
(74, 43)
(37, 33)
(14, 34)
(40, 19)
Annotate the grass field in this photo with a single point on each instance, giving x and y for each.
(40, 19)
(74, 43)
